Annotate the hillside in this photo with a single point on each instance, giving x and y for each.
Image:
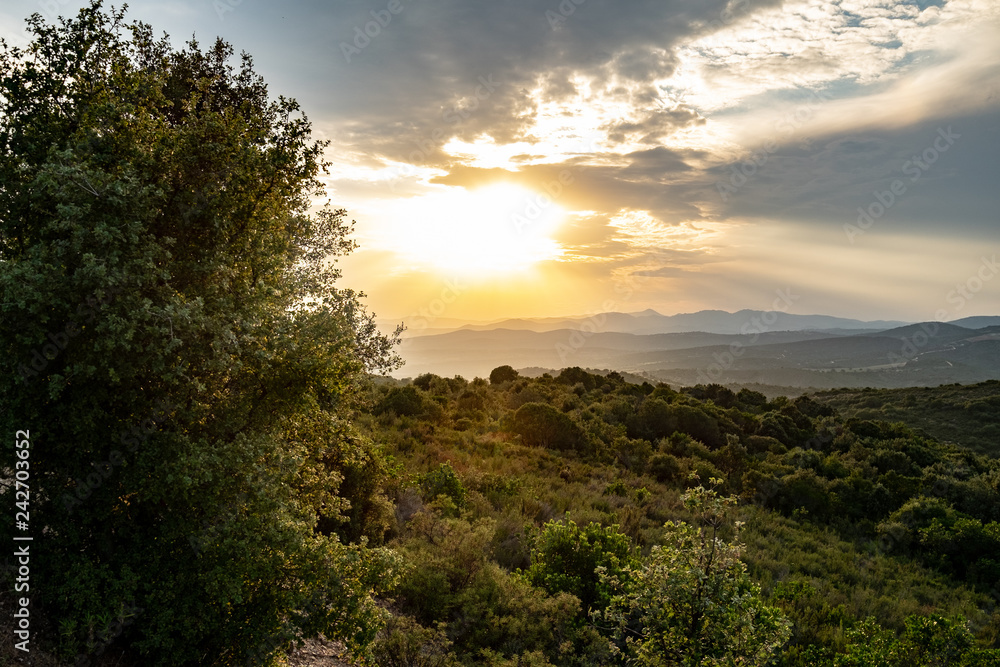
(926, 354)
(471, 352)
(837, 510)
(967, 415)
(652, 322)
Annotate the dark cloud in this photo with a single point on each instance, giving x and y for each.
(393, 82)
(653, 126)
(409, 79)
(825, 181)
(654, 163)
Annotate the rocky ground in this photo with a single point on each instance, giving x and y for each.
(318, 653)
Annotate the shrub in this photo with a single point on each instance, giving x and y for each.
(541, 425)
(653, 420)
(502, 374)
(402, 401)
(566, 558)
(405, 643)
(664, 467)
(750, 398)
(926, 640)
(443, 482)
(691, 602)
(426, 380)
(502, 613)
(632, 454)
(577, 375)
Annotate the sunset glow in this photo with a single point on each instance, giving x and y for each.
(680, 148)
(491, 230)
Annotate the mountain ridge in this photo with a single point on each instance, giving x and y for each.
(919, 354)
(650, 321)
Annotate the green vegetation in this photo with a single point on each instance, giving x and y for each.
(174, 344)
(215, 474)
(566, 558)
(852, 541)
(691, 602)
(963, 414)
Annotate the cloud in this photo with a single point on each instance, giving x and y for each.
(431, 57)
(804, 110)
(941, 172)
(649, 109)
(654, 163)
(652, 126)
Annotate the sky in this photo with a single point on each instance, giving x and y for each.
(533, 158)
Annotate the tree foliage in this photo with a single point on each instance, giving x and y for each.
(929, 641)
(173, 338)
(692, 602)
(541, 425)
(566, 559)
(502, 374)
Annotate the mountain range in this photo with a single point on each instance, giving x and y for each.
(652, 322)
(746, 347)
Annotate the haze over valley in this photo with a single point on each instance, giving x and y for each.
(743, 348)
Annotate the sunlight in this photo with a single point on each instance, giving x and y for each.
(485, 153)
(499, 228)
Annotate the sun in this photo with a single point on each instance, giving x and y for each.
(498, 228)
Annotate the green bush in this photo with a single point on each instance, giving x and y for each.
(541, 425)
(405, 643)
(927, 640)
(665, 467)
(426, 380)
(444, 554)
(632, 454)
(652, 421)
(691, 601)
(566, 558)
(402, 401)
(443, 482)
(502, 374)
(576, 375)
(502, 613)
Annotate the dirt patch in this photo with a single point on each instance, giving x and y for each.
(319, 653)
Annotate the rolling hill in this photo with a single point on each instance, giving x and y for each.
(923, 354)
(652, 322)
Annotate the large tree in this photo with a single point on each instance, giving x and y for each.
(173, 340)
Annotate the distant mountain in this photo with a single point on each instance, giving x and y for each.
(923, 354)
(938, 330)
(927, 354)
(978, 322)
(469, 353)
(720, 321)
(652, 322)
